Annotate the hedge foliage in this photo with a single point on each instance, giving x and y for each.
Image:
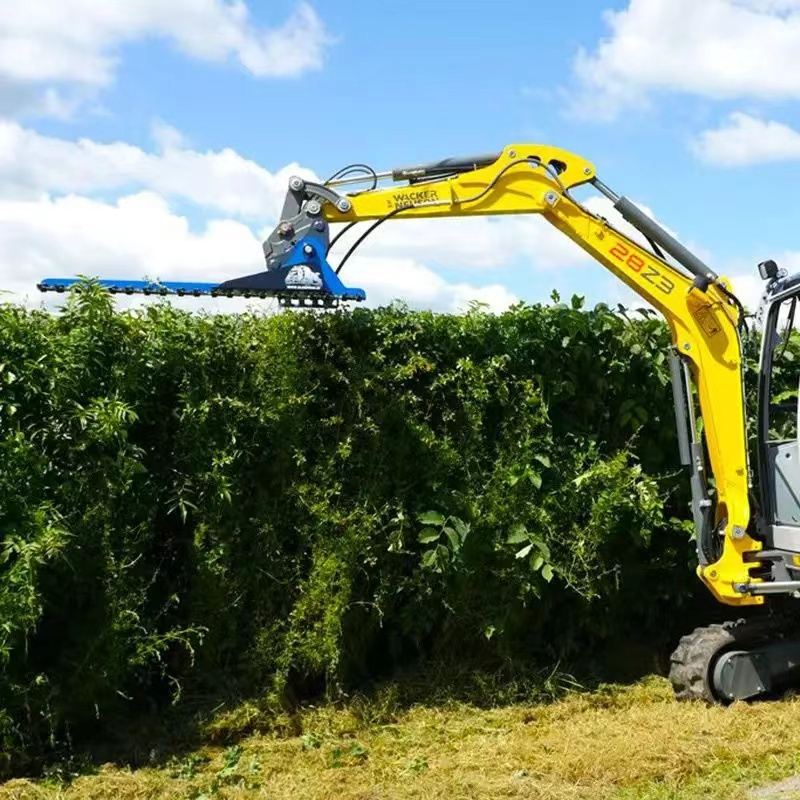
(298, 503)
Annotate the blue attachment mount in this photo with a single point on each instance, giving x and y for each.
(303, 274)
(303, 278)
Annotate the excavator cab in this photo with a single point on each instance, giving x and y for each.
(778, 524)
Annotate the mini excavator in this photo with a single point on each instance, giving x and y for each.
(748, 539)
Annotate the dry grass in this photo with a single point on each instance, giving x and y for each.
(635, 742)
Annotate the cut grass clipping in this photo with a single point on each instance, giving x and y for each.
(633, 742)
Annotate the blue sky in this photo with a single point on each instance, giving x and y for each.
(689, 108)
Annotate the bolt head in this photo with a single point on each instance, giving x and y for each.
(344, 205)
(319, 225)
(687, 346)
(313, 207)
(587, 171)
(296, 183)
(512, 153)
(308, 249)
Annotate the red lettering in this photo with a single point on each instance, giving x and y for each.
(635, 263)
(619, 251)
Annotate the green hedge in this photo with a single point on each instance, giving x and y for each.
(299, 503)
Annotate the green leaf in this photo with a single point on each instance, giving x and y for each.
(462, 528)
(535, 478)
(431, 518)
(429, 558)
(547, 572)
(518, 534)
(782, 397)
(524, 552)
(536, 563)
(452, 537)
(543, 549)
(428, 535)
(543, 460)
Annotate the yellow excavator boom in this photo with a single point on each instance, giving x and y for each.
(701, 312)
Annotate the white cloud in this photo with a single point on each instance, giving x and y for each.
(67, 236)
(135, 236)
(773, 6)
(58, 218)
(471, 243)
(748, 287)
(76, 41)
(386, 279)
(743, 140)
(47, 236)
(31, 164)
(720, 49)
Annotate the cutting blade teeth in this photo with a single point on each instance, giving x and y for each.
(287, 298)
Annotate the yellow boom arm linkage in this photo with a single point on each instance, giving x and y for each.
(537, 179)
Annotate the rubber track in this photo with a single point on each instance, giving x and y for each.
(692, 662)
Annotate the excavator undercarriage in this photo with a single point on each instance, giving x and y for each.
(737, 660)
(748, 538)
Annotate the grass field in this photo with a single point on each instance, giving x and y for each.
(618, 742)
